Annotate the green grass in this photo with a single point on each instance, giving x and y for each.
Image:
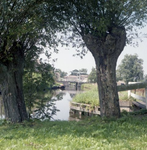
(88, 97)
(124, 96)
(127, 133)
(88, 86)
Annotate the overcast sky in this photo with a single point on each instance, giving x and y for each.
(67, 62)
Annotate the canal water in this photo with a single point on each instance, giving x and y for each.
(62, 104)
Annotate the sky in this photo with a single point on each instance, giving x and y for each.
(67, 62)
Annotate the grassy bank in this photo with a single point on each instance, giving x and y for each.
(128, 132)
(90, 95)
(88, 86)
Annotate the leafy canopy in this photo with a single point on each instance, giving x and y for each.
(130, 69)
(31, 23)
(99, 17)
(37, 79)
(92, 76)
(79, 72)
(61, 73)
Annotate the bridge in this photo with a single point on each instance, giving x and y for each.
(72, 84)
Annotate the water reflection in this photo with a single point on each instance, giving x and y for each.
(58, 108)
(46, 106)
(63, 106)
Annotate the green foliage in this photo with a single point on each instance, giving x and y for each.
(145, 78)
(101, 26)
(92, 76)
(38, 77)
(91, 91)
(98, 18)
(76, 72)
(62, 73)
(128, 132)
(83, 71)
(130, 69)
(30, 25)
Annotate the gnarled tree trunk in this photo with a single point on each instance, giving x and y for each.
(12, 87)
(106, 52)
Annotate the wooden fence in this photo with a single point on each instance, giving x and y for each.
(133, 89)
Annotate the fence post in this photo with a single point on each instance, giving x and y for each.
(146, 96)
(129, 94)
(129, 91)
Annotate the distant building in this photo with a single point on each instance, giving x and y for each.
(84, 78)
(80, 78)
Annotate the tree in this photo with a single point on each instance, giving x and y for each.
(38, 77)
(83, 71)
(26, 27)
(76, 72)
(145, 77)
(102, 25)
(92, 76)
(62, 73)
(130, 69)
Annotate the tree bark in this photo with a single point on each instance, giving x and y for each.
(106, 51)
(12, 87)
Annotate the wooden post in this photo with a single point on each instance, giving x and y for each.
(80, 114)
(1, 108)
(76, 86)
(129, 94)
(146, 96)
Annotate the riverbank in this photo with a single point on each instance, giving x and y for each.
(90, 95)
(128, 132)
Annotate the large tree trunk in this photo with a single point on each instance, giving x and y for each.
(106, 52)
(12, 87)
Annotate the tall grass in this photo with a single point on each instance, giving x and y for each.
(88, 97)
(88, 86)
